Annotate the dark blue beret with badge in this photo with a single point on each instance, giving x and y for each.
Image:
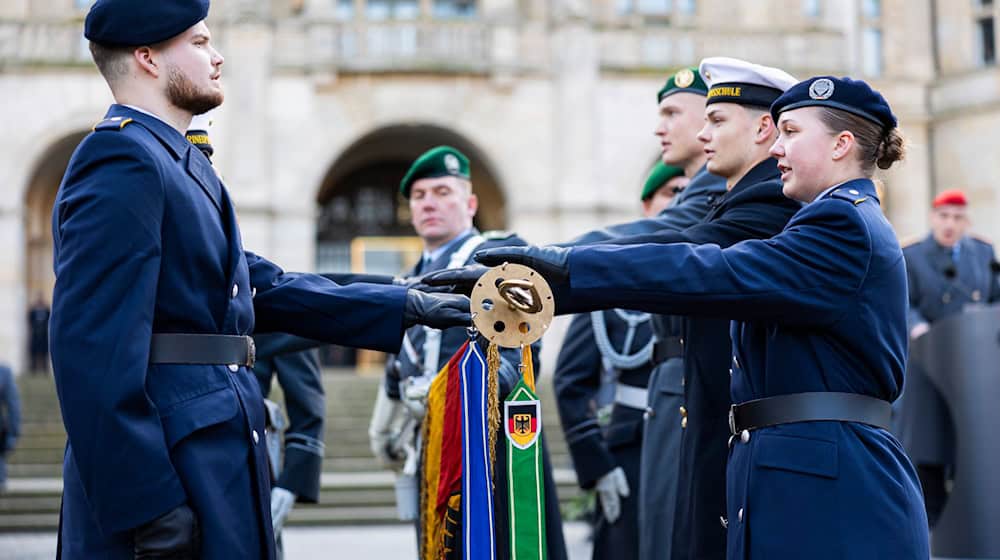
(442, 161)
(854, 96)
(128, 23)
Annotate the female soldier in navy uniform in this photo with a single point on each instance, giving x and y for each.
(819, 337)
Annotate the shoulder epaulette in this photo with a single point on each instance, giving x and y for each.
(980, 238)
(497, 234)
(113, 123)
(851, 195)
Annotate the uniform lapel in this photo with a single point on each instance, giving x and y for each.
(441, 262)
(203, 173)
(194, 162)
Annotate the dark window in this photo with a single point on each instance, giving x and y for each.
(987, 41)
(454, 9)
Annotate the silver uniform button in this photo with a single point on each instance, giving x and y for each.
(256, 438)
(253, 292)
(739, 514)
(736, 363)
(236, 290)
(745, 436)
(730, 372)
(853, 191)
(234, 368)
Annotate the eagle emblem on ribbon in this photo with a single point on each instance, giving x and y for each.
(522, 422)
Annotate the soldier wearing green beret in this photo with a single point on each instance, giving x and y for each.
(664, 183)
(439, 189)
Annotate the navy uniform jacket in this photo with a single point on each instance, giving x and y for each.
(577, 380)
(819, 307)
(146, 241)
(754, 208)
(301, 382)
(941, 286)
(686, 209)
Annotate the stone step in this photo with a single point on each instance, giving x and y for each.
(354, 489)
(345, 499)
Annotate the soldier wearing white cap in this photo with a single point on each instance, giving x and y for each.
(737, 135)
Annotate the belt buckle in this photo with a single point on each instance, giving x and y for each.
(251, 352)
(732, 419)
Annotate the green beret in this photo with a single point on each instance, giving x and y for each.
(658, 177)
(685, 79)
(442, 161)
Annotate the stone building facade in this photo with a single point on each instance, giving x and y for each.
(329, 100)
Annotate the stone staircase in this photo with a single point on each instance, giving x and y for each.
(354, 489)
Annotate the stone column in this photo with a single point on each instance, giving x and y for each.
(575, 75)
(13, 299)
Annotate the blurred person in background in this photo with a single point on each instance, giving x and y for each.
(10, 420)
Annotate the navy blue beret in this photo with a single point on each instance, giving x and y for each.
(853, 96)
(129, 23)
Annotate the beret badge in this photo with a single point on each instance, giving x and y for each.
(684, 78)
(451, 163)
(821, 89)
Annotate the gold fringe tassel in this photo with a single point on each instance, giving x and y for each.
(493, 404)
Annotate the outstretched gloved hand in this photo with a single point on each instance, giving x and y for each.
(549, 261)
(611, 488)
(438, 311)
(456, 280)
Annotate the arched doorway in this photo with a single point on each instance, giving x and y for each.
(359, 198)
(363, 222)
(39, 198)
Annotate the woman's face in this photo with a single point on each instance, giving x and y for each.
(805, 151)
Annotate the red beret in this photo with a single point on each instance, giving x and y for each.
(951, 197)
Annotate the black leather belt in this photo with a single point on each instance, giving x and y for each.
(666, 348)
(809, 407)
(205, 349)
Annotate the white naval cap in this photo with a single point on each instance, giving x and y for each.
(731, 80)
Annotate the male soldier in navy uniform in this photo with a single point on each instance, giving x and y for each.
(10, 420)
(297, 456)
(681, 109)
(296, 449)
(153, 302)
(438, 187)
(947, 272)
(738, 134)
(619, 343)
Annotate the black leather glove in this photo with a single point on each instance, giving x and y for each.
(551, 262)
(455, 280)
(438, 311)
(417, 283)
(172, 536)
